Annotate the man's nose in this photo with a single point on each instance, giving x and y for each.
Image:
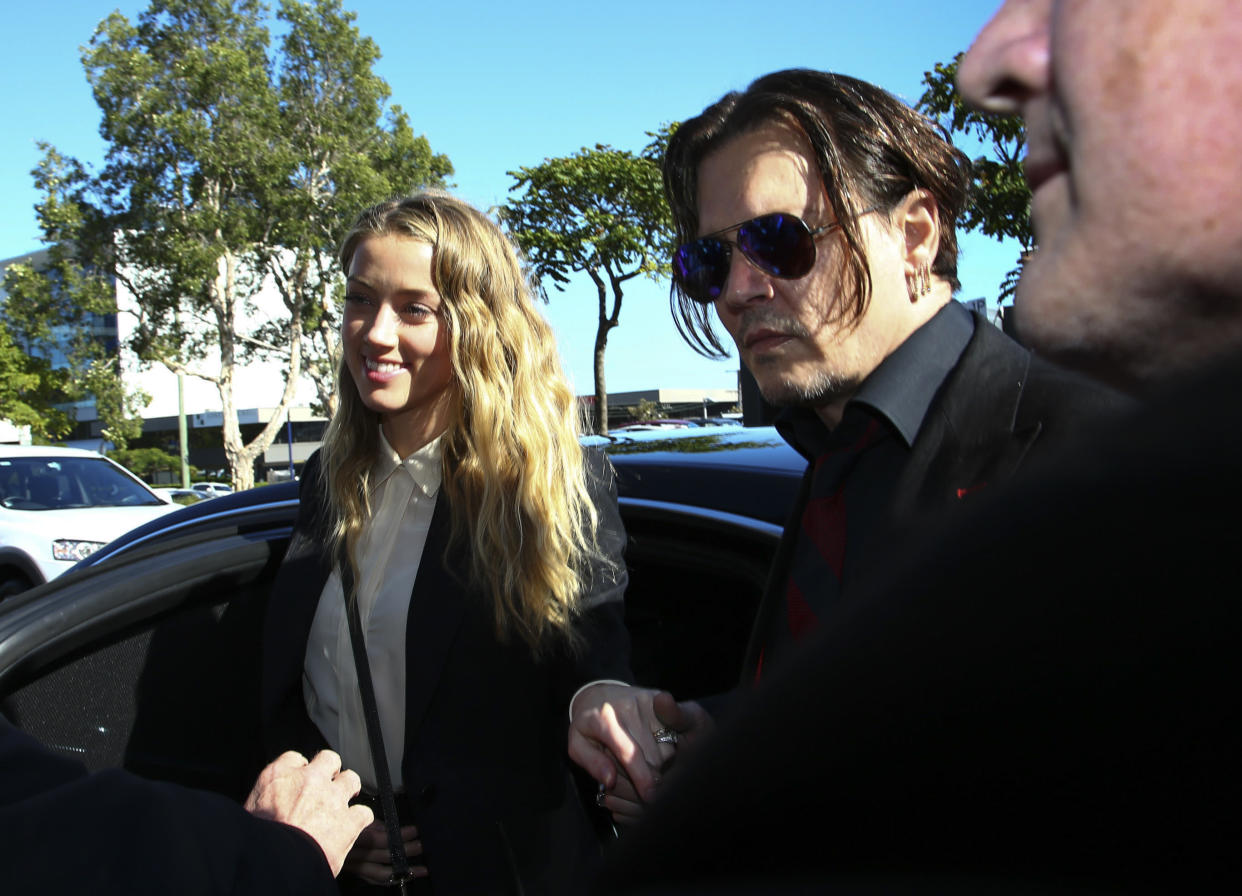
(746, 284)
(1008, 62)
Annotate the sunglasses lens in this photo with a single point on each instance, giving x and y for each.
(701, 269)
(779, 244)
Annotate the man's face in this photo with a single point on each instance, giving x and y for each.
(790, 333)
(1133, 128)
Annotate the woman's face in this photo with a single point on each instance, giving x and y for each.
(394, 339)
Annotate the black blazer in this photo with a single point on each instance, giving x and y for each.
(63, 830)
(485, 764)
(1042, 699)
(999, 406)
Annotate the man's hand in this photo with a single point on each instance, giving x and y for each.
(625, 738)
(313, 796)
(690, 722)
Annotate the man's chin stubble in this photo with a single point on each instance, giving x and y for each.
(824, 389)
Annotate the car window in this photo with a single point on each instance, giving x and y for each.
(693, 592)
(169, 687)
(59, 483)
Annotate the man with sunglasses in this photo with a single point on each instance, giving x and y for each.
(816, 217)
(1043, 699)
(816, 214)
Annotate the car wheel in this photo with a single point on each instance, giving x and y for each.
(14, 583)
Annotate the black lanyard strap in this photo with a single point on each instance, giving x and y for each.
(401, 871)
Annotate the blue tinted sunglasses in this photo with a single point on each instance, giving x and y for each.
(779, 244)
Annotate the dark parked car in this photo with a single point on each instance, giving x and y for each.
(146, 654)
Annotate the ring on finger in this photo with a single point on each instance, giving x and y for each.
(665, 736)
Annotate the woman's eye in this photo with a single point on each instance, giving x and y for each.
(417, 312)
(353, 298)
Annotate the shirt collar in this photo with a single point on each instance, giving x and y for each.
(903, 386)
(905, 383)
(422, 466)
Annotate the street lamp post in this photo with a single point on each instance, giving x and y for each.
(289, 436)
(183, 446)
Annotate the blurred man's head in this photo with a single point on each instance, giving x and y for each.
(815, 214)
(1133, 129)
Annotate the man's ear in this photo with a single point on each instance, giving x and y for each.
(918, 215)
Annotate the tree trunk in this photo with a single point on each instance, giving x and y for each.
(601, 389)
(606, 323)
(240, 455)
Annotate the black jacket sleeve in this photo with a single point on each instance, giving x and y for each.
(63, 829)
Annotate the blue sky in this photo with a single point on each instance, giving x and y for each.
(500, 85)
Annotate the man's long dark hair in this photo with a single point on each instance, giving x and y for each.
(871, 149)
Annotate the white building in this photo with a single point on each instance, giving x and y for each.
(258, 384)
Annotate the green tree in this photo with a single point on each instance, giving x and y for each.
(147, 462)
(599, 212)
(343, 152)
(645, 410)
(228, 163)
(18, 386)
(1000, 200)
(54, 319)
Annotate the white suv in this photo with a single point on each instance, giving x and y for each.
(212, 489)
(58, 505)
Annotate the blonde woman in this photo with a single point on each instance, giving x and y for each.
(484, 547)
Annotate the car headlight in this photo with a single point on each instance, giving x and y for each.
(73, 551)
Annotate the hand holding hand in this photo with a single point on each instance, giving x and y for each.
(689, 721)
(612, 731)
(626, 737)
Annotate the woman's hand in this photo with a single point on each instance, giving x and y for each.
(370, 859)
(627, 737)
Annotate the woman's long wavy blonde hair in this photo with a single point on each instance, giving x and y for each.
(512, 466)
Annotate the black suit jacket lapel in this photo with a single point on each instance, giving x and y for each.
(291, 610)
(437, 605)
(977, 431)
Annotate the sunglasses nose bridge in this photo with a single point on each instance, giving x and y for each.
(747, 280)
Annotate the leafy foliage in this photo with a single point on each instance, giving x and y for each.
(56, 345)
(1000, 200)
(343, 152)
(227, 163)
(645, 410)
(599, 212)
(147, 462)
(22, 399)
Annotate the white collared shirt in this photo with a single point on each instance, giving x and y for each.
(403, 497)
